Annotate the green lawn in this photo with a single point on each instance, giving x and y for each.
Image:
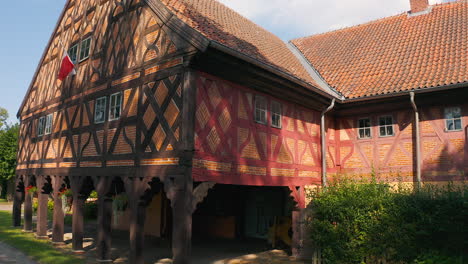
(3, 201)
(39, 250)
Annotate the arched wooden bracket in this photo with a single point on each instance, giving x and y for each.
(200, 192)
(298, 194)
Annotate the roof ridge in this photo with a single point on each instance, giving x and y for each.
(377, 20)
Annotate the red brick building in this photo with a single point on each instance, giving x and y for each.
(173, 99)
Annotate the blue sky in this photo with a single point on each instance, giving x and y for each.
(25, 27)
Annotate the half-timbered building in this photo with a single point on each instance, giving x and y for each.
(186, 106)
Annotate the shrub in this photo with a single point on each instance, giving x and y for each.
(354, 220)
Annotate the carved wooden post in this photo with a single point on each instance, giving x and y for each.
(301, 249)
(28, 211)
(41, 209)
(18, 199)
(182, 226)
(137, 231)
(135, 189)
(78, 221)
(58, 218)
(180, 194)
(104, 220)
(104, 228)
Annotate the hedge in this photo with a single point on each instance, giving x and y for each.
(357, 220)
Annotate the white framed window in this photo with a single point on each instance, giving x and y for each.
(364, 128)
(453, 120)
(84, 49)
(40, 126)
(48, 124)
(260, 110)
(386, 126)
(73, 53)
(115, 106)
(100, 110)
(276, 114)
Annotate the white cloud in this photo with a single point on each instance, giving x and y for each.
(295, 18)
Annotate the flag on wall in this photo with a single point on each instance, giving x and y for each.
(67, 67)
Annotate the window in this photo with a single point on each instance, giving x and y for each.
(364, 128)
(40, 126)
(48, 124)
(453, 119)
(100, 110)
(260, 109)
(115, 106)
(386, 126)
(276, 114)
(84, 49)
(73, 53)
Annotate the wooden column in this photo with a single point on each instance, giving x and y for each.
(137, 231)
(28, 211)
(78, 222)
(41, 214)
(104, 228)
(18, 199)
(58, 217)
(181, 227)
(297, 234)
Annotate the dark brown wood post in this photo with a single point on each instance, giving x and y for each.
(58, 217)
(28, 211)
(297, 236)
(137, 232)
(78, 222)
(179, 191)
(182, 227)
(18, 199)
(104, 228)
(42, 199)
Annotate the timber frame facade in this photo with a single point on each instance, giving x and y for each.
(186, 123)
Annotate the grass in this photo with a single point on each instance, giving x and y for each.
(41, 251)
(3, 201)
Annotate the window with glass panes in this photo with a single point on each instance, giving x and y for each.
(364, 128)
(386, 126)
(260, 109)
(40, 126)
(84, 49)
(453, 120)
(115, 106)
(276, 114)
(73, 53)
(100, 110)
(48, 124)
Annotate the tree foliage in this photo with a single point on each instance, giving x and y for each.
(8, 150)
(3, 117)
(354, 221)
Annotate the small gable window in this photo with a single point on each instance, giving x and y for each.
(115, 106)
(100, 110)
(48, 124)
(364, 128)
(386, 126)
(276, 114)
(73, 53)
(40, 126)
(260, 110)
(453, 120)
(84, 49)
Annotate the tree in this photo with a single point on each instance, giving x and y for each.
(3, 117)
(8, 150)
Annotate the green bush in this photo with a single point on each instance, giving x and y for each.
(90, 210)
(354, 220)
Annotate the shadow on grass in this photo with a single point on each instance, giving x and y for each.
(39, 250)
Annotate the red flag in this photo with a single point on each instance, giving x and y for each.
(67, 67)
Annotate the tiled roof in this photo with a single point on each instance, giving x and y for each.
(394, 54)
(223, 25)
